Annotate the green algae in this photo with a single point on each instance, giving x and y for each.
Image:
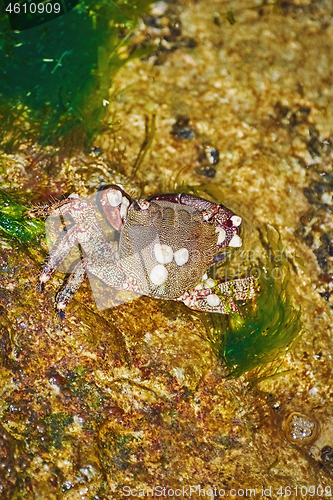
(68, 65)
(56, 424)
(15, 226)
(266, 329)
(150, 130)
(231, 17)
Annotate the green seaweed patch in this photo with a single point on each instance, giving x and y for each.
(83, 389)
(268, 327)
(56, 426)
(15, 226)
(68, 66)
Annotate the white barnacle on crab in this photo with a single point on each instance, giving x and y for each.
(164, 245)
(163, 253)
(181, 256)
(158, 275)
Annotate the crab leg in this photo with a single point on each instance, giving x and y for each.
(70, 288)
(59, 208)
(215, 297)
(57, 256)
(239, 289)
(115, 202)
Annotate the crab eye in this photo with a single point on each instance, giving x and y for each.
(143, 204)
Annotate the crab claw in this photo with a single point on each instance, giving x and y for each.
(211, 296)
(115, 203)
(227, 227)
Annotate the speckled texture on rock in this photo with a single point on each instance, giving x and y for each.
(134, 396)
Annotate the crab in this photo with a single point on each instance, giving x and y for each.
(163, 248)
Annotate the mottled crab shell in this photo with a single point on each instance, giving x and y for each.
(167, 247)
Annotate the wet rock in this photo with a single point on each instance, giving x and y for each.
(206, 171)
(327, 457)
(175, 27)
(299, 116)
(181, 129)
(208, 154)
(316, 147)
